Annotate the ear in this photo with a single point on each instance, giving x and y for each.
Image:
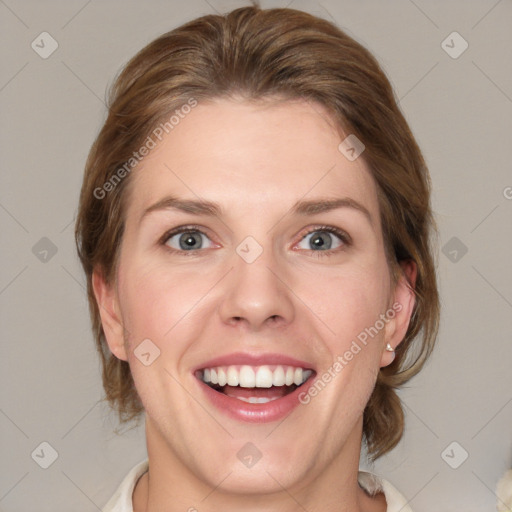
(108, 305)
(403, 305)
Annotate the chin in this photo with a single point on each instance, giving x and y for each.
(258, 480)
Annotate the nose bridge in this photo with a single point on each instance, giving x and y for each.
(255, 291)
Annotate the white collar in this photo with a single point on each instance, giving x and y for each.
(121, 501)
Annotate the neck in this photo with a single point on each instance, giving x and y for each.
(171, 486)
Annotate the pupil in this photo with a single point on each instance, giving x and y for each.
(322, 241)
(187, 240)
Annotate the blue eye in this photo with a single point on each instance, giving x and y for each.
(324, 239)
(187, 240)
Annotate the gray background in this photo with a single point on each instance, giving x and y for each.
(458, 108)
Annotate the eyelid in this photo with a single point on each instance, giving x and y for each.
(184, 229)
(345, 238)
(340, 233)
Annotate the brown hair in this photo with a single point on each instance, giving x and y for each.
(261, 54)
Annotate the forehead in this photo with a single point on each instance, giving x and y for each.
(243, 154)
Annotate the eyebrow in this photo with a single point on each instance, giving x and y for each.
(196, 207)
(316, 206)
(211, 209)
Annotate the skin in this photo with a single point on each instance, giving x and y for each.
(256, 160)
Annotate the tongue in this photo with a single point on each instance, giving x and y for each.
(273, 392)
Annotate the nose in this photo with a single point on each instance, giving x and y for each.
(256, 295)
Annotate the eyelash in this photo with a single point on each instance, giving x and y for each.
(342, 235)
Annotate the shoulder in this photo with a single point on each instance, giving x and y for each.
(121, 501)
(372, 484)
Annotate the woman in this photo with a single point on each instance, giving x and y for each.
(254, 225)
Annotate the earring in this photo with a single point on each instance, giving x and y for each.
(389, 348)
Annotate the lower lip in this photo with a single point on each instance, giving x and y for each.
(255, 413)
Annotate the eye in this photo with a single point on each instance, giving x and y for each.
(187, 239)
(324, 239)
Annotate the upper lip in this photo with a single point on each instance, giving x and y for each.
(259, 359)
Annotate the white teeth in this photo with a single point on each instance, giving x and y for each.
(256, 400)
(247, 377)
(290, 373)
(264, 376)
(232, 376)
(278, 378)
(221, 374)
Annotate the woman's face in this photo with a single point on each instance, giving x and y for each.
(253, 250)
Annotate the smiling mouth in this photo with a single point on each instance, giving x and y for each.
(255, 384)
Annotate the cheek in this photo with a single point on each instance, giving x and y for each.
(156, 304)
(154, 300)
(348, 301)
(351, 306)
